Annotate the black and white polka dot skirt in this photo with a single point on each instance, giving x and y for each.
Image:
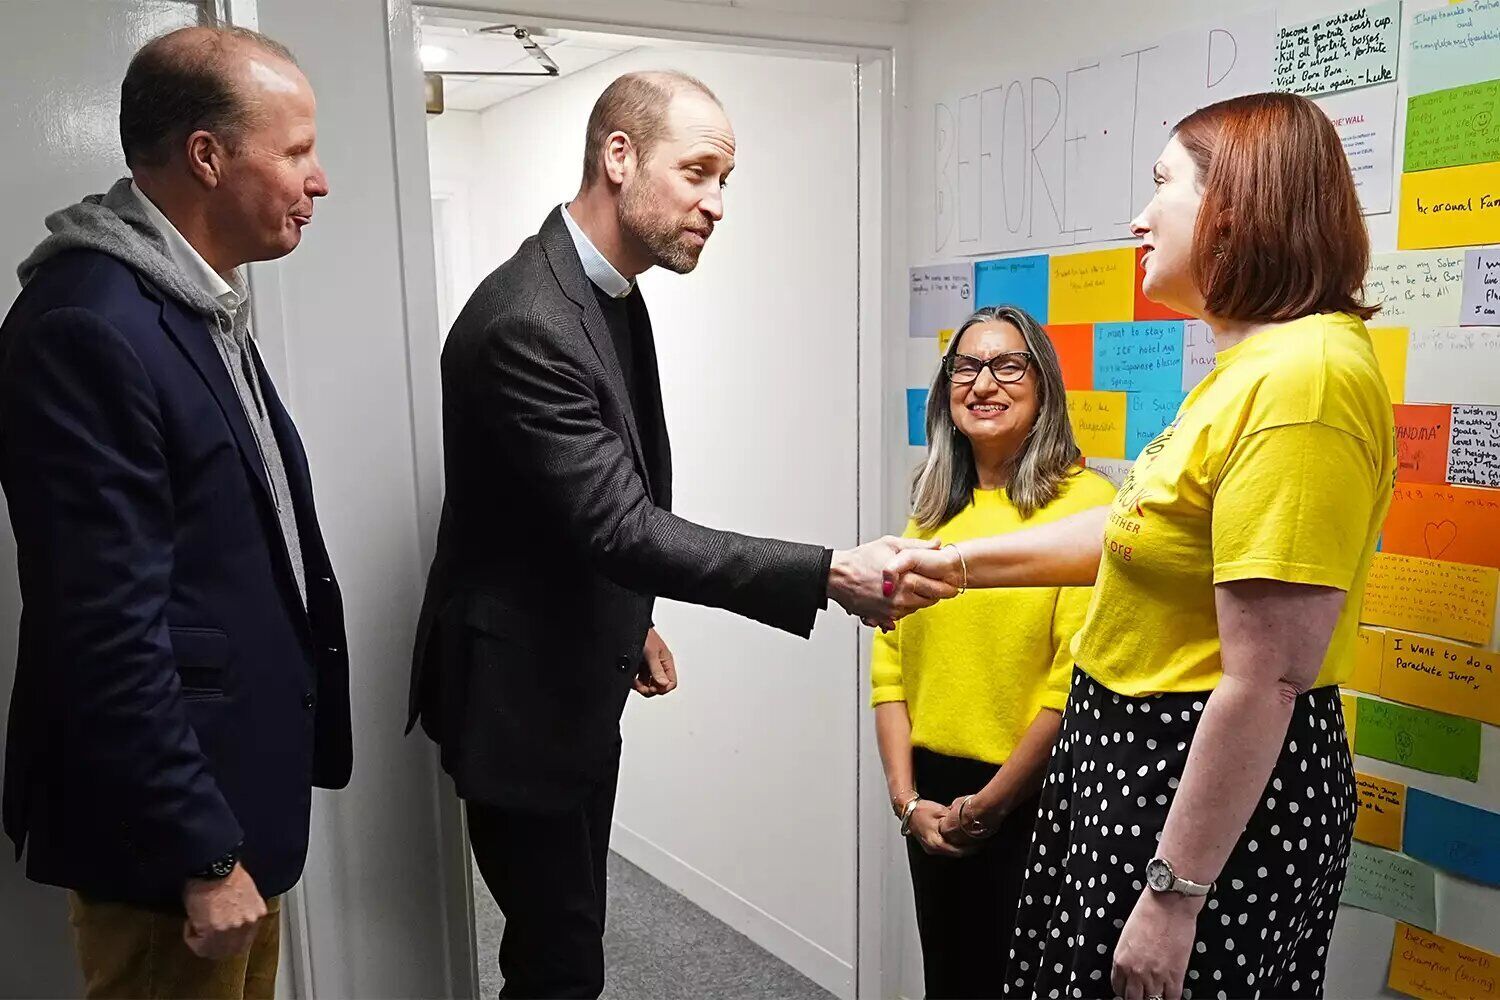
(1266, 927)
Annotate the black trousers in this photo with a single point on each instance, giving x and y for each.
(966, 907)
(547, 872)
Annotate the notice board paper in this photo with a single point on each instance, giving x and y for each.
(1481, 304)
(1419, 739)
(1432, 967)
(1453, 836)
(1453, 365)
(1425, 595)
(1442, 676)
(1450, 207)
(1098, 422)
(1097, 287)
(1422, 442)
(1381, 806)
(941, 298)
(1454, 523)
(1416, 287)
(1392, 884)
(1453, 128)
(1474, 446)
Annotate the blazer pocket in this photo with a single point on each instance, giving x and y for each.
(201, 655)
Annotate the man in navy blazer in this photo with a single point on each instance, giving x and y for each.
(182, 681)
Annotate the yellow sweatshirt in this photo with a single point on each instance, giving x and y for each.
(975, 670)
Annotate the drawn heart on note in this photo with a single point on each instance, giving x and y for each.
(1438, 537)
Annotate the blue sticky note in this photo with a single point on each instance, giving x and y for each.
(1147, 414)
(1457, 838)
(1139, 357)
(1453, 46)
(916, 417)
(1014, 281)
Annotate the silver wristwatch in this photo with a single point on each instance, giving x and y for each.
(1161, 878)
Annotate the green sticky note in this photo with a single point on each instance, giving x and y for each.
(1453, 128)
(1415, 737)
(1391, 883)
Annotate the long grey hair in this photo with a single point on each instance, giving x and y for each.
(944, 484)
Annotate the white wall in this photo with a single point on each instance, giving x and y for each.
(756, 350)
(958, 45)
(455, 144)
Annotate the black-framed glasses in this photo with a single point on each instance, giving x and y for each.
(1009, 367)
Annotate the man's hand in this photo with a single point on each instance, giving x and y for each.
(222, 914)
(855, 579)
(658, 671)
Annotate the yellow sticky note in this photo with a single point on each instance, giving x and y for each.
(943, 337)
(1432, 967)
(1451, 207)
(1442, 676)
(1098, 419)
(1351, 716)
(1382, 806)
(1096, 287)
(1390, 354)
(1455, 600)
(1369, 652)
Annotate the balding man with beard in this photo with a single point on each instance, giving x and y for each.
(182, 681)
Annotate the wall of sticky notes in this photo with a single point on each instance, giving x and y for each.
(1413, 90)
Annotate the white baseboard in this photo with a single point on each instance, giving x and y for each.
(806, 956)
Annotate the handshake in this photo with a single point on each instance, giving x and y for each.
(883, 581)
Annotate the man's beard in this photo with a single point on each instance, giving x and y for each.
(643, 217)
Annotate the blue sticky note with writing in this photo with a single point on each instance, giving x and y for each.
(1014, 281)
(1458, 838)
(1144, 356)
(1147, 414)
(916, 417)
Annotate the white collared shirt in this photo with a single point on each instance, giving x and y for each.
(230, 294)
(599, 270)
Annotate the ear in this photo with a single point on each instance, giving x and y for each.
(620, 160)
(206, 158)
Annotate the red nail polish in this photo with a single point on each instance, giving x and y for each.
(887, 588)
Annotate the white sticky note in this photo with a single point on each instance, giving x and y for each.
(1481, 288)
(1453, 364)
(1197, 353)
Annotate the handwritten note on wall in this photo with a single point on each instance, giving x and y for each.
(1453, 128)
(1369, 651)
(1474, 446)
(1099, 422)
(1096, 287)
(1198, 353)
(1425, 595)
(1422, 442)
(1481, 305)
(1366, 123)
(1459, 680)
(1149, 415)
(941, 298)
(1417, 738)
(1432, 967)
(1416, 287)
(1453, 365)
(1455, 523)
(1382, 804)
(1392, 884)
(1013, 281)
(1140, 357)
(1113, 469)
(1453, 46)
(1450, 207)
(1353, 48)
(1453, 836)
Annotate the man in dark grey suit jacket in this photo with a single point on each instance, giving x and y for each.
(557, 534)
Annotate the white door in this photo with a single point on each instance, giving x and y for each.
(739, 790)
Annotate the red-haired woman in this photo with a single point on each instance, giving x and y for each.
(1196, 816)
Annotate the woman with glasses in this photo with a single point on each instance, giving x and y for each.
(968, 696)
(1198, 808)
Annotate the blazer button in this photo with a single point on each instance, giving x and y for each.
(308, 700)
(624, 662)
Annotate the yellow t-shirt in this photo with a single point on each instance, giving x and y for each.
(1279, 466)
(975, 670)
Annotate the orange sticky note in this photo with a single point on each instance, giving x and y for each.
(1144, 307)
(1382, 806)
(1425, 595)
(1369, 651)
(1453, 523)
(1443, 676)
(1390, 343)
(1074, 343)
(1422, 434)
(1351, 716)
(1451, 207)
(1432, 967)
(1094, 287)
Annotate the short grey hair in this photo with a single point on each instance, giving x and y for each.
(944, 483)
(637, 105)
(182, 82)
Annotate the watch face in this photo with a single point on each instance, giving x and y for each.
(1159, 875)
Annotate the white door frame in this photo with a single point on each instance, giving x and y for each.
(876, 49)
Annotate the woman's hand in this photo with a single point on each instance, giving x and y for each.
(1151, 958)
(926, 822)
(919, 578)
(955, 834)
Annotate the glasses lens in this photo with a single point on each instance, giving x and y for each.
(963, 370)
(1009, 367)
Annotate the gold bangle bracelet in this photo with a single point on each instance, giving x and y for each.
(963, 563)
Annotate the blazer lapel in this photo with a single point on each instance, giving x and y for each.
(562, 255)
